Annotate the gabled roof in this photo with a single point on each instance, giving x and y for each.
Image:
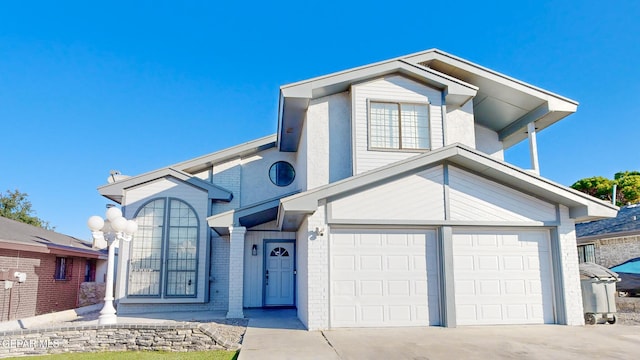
(183, 170)
(206, 161)
(115, 191)
(582, 207)
(15, 235)
(501, 103)
(627, 221)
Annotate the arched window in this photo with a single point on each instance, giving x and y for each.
(164, 251)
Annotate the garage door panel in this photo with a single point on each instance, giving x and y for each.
(503, 277)
(393, 281)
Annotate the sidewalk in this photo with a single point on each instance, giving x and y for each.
(278, 334)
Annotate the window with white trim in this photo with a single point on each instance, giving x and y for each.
(394, 125)
(164, 251)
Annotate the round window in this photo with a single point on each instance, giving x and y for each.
(282, 173)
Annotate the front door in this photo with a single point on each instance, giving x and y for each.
(279, 273)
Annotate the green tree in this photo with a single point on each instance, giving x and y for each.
(627, 187)
(16, 206)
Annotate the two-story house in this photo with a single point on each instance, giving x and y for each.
(383, 200)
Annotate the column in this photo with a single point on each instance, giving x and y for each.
(236, 271)
(533, 147)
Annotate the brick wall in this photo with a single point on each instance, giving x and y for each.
(615, 251)
(40, 293)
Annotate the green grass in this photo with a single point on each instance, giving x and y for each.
(141, 355)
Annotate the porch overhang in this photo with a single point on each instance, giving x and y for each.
(248, 216)
(503, 104)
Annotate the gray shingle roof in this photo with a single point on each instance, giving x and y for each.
(15, 232)
(628, 219)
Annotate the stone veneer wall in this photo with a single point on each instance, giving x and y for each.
(91, 293)
(93, 338)
(614, 251)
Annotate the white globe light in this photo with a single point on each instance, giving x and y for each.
(119, 224)
(132, 227)
(113, 213)
(95, 223)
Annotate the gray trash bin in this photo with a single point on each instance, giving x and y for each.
(598, 293)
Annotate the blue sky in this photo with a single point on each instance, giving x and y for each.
(86, 88)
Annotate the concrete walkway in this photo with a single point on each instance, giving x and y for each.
(278, 334)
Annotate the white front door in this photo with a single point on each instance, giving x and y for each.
(503, 277)
(278, 273)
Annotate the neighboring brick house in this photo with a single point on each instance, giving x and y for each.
(55, 266)
(610, 242)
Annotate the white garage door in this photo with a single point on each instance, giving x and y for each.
(383, 278)
(503, 277)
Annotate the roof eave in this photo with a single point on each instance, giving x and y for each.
(116, 190)
(581, 206)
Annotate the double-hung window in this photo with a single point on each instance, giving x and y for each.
(394, 125)
(164, 252)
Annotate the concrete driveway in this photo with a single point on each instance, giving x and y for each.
(279, 335)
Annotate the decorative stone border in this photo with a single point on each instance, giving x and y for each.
(118, 337)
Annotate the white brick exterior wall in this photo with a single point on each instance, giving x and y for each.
(236, 269)
(318, 272)
(227, 176)
(570, 271)
(302, 285)
(219, 295)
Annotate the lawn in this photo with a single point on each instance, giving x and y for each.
(141, 355)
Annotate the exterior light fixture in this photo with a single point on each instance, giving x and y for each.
(254, 250)
(112, 229)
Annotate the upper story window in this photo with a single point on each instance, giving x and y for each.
(164, 252)
(399, 126)
(282, 173)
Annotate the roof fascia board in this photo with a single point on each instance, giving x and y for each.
(482, 71)
(312, 88)
(580, 204)
(237, 151)
(232, 217)
(51, 249)
(116, 189)
(257, 145)
(9, 245)
(573, 196)
(78, 253)
(215, 192)
(308, 201)
(608, 236)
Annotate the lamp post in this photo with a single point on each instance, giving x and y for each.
(113, 229)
